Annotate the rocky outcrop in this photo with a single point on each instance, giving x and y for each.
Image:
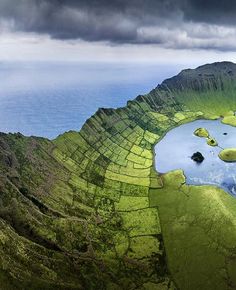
(197, 157)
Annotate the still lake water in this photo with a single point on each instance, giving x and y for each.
(174, 151)
(47, 99)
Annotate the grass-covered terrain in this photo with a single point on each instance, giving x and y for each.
(228, 155)
(89, 211)
(201, 132)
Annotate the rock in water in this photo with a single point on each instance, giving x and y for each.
(197, 157)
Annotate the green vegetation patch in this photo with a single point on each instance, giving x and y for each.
(229, 120)
(141, 247)
(129, 203)
(201, 132)
(212, 142)
(198, 224)
(228, 155)
(141, 222)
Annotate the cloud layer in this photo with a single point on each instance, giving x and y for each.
(178, 24)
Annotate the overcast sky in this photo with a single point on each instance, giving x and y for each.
(167, 31)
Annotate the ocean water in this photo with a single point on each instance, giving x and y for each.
(47, 99)
(212, 170)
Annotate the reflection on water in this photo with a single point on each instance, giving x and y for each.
(174, 151)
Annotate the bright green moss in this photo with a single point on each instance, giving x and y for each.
(201, 132)
(136, 250)
(129, 203)
(141, 222)
(228, 155)
(229, 120)
(212, 141)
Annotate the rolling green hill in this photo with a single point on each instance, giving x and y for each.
(89, 211)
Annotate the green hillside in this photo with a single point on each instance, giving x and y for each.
(89, 211)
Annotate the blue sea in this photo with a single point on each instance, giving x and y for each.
(47, 99)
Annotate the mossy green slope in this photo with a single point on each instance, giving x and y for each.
(88, 210)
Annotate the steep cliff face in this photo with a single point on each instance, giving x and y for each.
(88, 210)
(206, 77)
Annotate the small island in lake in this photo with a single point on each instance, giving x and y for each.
(212, 141)
(228, 155)
(203, 133)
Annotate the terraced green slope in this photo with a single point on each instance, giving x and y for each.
(88, 210)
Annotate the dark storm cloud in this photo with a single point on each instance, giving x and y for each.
(170, 23)
(210, 11)
(90, 20)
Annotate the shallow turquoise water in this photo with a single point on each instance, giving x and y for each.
(174, 151)
(46, 99)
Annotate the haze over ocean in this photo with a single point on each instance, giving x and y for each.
(46, 99)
